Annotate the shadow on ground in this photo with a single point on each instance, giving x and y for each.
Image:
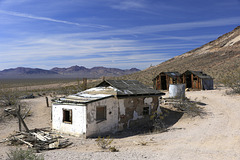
(170, 118)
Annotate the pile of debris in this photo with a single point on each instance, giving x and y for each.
(191, 108)
(39, 139)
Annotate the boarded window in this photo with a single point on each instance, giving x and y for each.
(67, 116)
(145, 110)
(101, 113)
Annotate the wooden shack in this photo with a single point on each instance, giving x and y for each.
(197, 80)
(162, 81)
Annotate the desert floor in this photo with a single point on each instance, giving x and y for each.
(214, 136)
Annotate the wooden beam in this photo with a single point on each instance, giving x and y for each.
(47, 101)
(21, 120)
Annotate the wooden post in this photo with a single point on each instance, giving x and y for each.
(167, 82)
(19, 121)
(84, 83)
(47, 101)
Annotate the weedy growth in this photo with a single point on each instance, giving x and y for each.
(105, 143)
(20, 154)
(191, 108)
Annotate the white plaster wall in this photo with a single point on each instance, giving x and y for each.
(148, 100)
(78, 126)
(121, 106)
(108, 125)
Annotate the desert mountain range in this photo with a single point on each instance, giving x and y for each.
(217, 58)
(70, 72)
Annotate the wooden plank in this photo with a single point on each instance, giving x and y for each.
(25, 115)
(29, 144)
(40, 137)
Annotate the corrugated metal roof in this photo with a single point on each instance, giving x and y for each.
(170, 74)
(130, 87)
(200, 74)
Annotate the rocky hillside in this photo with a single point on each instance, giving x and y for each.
(216, 58)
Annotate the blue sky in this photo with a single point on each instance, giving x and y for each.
(110, 33)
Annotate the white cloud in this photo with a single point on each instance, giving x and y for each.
(144, 6)
(129, 4)
(186, 38)
(12, 2)
(36, 51)
(148, 29)
(50, 19)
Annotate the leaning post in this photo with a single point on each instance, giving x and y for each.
(19, 120)
(47, 101)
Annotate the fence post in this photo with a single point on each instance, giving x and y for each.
(19, 121)
(47, 101)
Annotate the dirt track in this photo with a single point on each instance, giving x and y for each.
(216, 136)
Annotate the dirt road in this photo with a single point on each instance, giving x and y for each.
(215, 136)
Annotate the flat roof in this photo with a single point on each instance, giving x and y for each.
(89, 95)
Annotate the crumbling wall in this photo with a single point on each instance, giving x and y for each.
(134, 110)
(110, 124)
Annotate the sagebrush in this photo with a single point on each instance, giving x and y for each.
(104, 143)
(20, 154)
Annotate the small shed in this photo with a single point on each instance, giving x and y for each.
(197, 80)
(164, 79)
(111, 106)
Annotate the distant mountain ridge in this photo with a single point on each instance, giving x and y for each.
(25, 71)
(217, 58)
(70, 72)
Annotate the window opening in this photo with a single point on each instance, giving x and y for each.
(67, 115)
(101, 113)
(145, 110)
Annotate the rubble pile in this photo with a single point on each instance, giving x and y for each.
(39, 139)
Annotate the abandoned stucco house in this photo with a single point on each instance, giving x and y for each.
(111, 106)
(197, 80)
(164, 79)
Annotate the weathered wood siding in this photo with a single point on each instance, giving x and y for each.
(159, 84)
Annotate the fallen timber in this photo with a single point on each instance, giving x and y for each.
(38, 139)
